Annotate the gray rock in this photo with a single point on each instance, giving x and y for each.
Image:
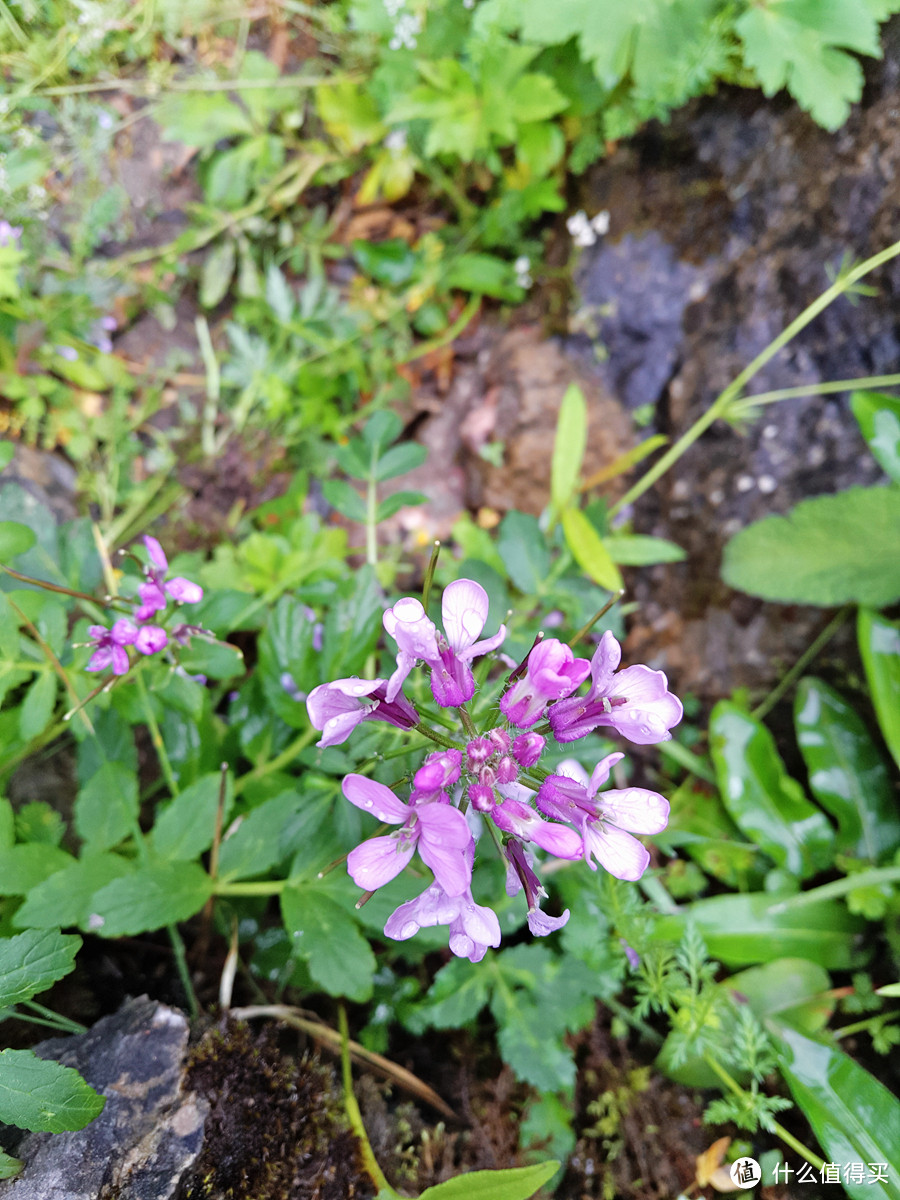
(149, 1133)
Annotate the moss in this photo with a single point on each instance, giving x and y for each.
(275, 1129)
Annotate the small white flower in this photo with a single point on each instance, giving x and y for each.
(600, 223)
(408, 26)
(580, 228)
(522, 267)
(396, 141)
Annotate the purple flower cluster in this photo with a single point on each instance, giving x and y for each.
(140, 631)
(493, 780)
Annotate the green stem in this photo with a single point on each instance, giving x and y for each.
(354, 1116)
(726, 398)
(468, 726)
(749, 403)
(284, 759)
(446, 742)
(864, 1026)
(840, 887)
(429, 574)
(787, 682)
(256, 887)
(372, 521)
(788, 1138)
(184, 973)
(156, 735)
(586, 629)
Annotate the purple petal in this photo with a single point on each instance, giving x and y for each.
(151, 639)
(120, 663)
(156, 553)
(486, 645)
(540, 924)
(618, 852)
(102, 658)
(98, 633)
(152, 600)
(374, 797)
(336, 708)
(442, 825)
(528, 748)
(432, 907)
(183, 591)
(378, 861)
(464, 609)
(600, 773)
(605, 660)
(450, 867)
(411, 629)
(635, 809)
(124, 632)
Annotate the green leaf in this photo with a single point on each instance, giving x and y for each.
(349, 113)
(345, 498)
(152, 896)
(106, 807)
(458, 994)
(218, 269)
(186, 827)
(201, 119)
(855, 1118)
(31, 961)
(323, 932)
(352, 626)
(15, 539)
(847, 774)
(255, 845)
(589, 550)
(568, 448)
(399, 460)
(794, 990)
(483, 274)
(768, 806)
(279, 296)
(635, 550)
(9, 1166)
(44, 1096)
(879, 420)
(23, 867)
(7, 453)
(393, 504)
(879, 648)
(65, 897)
(523, 548)
(740, 930)
(830, 550)
(38, 705)
(391, 262)
(513, 1183)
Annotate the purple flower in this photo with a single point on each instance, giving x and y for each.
(528, 748)
(439, 771)
(438, 830)
(519, 875)
(607, 821)
(9, 234)
(151, 639)
(110, 646)
(153, 592)
(464, 608)
(336, 708)
(636, 702)
(473, 927)
(513, 816)
(552, 671)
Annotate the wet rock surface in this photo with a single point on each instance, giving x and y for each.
(723, 227)
(150, 1130)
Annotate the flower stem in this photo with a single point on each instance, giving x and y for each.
(784, 685)
(354, 1116)
(446, 742)
(287, 756)
(429, 573)
(156, 735)
(586, 629)
(254, 887)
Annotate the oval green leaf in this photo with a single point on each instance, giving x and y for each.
(31, 961)
(568, 448)
(44, 1096)
(15, 539)
(515, 1183)
(879, 420)
(589, 551)
(879, 648)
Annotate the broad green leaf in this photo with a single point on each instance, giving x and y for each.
(323, 932)
(64, 898)
(589, 550)
(795, 990)
(399, 460)
(15, 539)
(352, 626)
(349, 113)
(635, 550)
(483, 274)
(383, 427)
(829, 550)
(23, 867)
(847, 773)
(523, 548)
(544, 1062)
(458, 994)
(393, 504)
(217, 273)
(255, 845)
(202, 119)
(879, 648)
(38, 705)
(568, 448)
(150, 897)
(855, 1118)
(186, 827)
(106, 807)
(31, 961)
(44, 1096)
(767, 805)
(740, 930)
(514, 1183)
(9, 1166)
(345, 498)
(879, 420)
(392, 263)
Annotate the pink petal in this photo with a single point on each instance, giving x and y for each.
(450, 866)
(102, 658)
(183, 591)
(124, 632)
(378, 861)
(156, 553)
(412, 630)
(432, 907)
(540, 924)
(617, 851)
(120, 663)
(464, 609)
(374, 797)
(558, 840)
(442, 825)
(485, 645)
(573, 769)
(151, 639)
(604, 662)
(600, 773)
(635, 809)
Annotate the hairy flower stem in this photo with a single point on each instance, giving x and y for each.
(429, 574)
(724, 402)
(788, 1138)
(354, 1116)
(446, 742)
(467, 722)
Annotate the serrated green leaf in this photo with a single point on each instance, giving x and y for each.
(44, 1096)
(255, 845)
(635, 550)
(323, 932)
(879, 420)
(24, 867)
(767, 805)
(847, 774)
(458, 994)
(830, 550)
(855, 1118)
(38, 705)
(279, 296)
(217, 273)
(589, 550)
(513, 1183)
(523, 548)
(31, 961)
(154, 895)
(106, 807)
(345, 498)
(568, 448)
(349, 113)
(15, 539)
(186, 827)
(64, 898)
(879, 648)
